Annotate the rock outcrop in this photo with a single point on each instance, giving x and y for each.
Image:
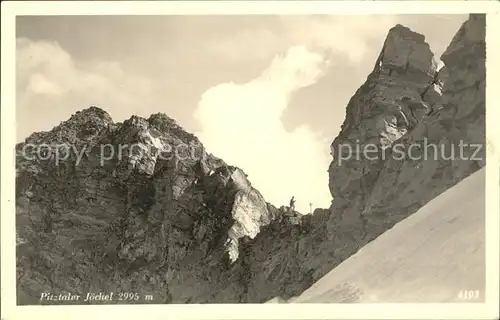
(140, 206)
(137, 206)
(448, 144)
(387, 107)
(414, 134)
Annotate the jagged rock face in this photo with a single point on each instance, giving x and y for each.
(126, 209)
(386, 107)
(195, 230)
(436, 111)
(449, 143)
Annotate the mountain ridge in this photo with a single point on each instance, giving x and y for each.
(196, 230)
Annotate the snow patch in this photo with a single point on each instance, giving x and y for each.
(428, 257)
(437, 88)
(154, 141)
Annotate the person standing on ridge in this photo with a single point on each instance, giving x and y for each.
(292, 204)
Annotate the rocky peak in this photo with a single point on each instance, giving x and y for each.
(137, 122)
(89, 122)
(390, 103)
(91, 114)
(80, 129)
(466, 42)
(406, 53)
(146, 188)
(161, 121)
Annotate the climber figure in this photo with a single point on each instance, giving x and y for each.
(292, 204)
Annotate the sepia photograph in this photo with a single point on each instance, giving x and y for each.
(254, 159)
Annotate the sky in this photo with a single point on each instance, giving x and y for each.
(265, 93)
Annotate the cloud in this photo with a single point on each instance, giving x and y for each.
(349, 37)
(241, 123)
(243, 45)
(39, 84)
(50, 83)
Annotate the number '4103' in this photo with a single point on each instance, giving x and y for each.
(468, 294)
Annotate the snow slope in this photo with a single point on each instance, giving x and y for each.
(429, 257)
